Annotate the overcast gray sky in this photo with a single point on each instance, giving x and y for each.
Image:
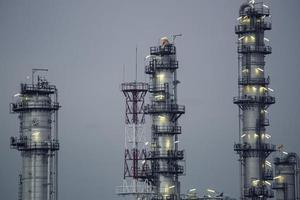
(84, 44)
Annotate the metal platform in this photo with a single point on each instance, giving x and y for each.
(247, 28)
(166, 129)
(163, 50)
(23, 106)
(171, 154)
(164, 108)
(246, 99)
(258, 191)
(254, 49)
(254, 81)
(24, 144)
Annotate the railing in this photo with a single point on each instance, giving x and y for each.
(166, 129)
(45, 88)
(258, 191)
(154, 64)
(158, 88)
(21, 106)
(254, 81)
(246, 99)
(259, 147)
(163, 50)
(140, 86)
(246, 28)
(257, 9)
(165, 108)
(170, 154)
(25, 144)
(254, 49)
(177, 169)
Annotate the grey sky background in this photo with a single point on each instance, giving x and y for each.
(84, 44)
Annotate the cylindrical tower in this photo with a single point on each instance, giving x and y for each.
(253, 101)
(135, 180)
(37, 107)
(165, 111)
(287, 177)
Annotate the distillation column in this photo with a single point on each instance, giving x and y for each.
(287, 176)
(164, 110)
(135, 182)
(254, 146)
(37, 107)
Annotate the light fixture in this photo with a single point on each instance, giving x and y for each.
(260, 69)
(265, 6)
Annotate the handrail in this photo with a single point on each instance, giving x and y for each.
(20, 106)
(242, 48)
(25, 88)
(163, 50)
(141, 86)
(150, 108)
(27, 144)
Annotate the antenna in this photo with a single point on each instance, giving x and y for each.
(136, 49)
(123, 73)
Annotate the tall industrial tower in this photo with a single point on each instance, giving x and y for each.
(253, 101)
(135, 183)
(164, 110)
(37, 107)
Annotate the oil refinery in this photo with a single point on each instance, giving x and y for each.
(154, 161)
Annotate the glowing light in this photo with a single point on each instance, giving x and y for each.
(254, 88)
(252, 37)
(255, 182)
(146, 143)
(271, 89)
(160, 77)
(210, 190)
(241, 38)
(260, 69)
(284, 152)
(245, 70)
(239, 18)
(35, 136)
(176, 142)
(162, 118)
(267, 182)
(16, 95)
(143, 161)
(159, 97)
(171, 186)
(243, 135)
(193, 190)
(266, 39)
(268, 163)
(277, 177)
(168, 144)
(265, 6)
